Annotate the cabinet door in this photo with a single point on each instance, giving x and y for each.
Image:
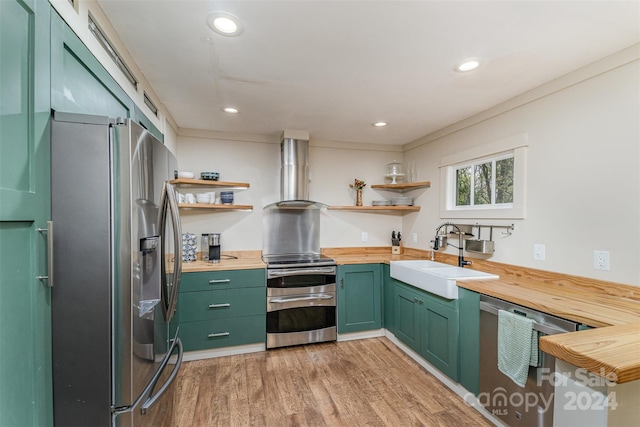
(469, 341)
(359, 298)
(407, 316)
(25, 311)
(222, 303)
(388, 292)
(223, 279)
(209, 334)
(439, 336)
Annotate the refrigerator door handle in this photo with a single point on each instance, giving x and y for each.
(152, 399)
(170, 206)
(152, 384)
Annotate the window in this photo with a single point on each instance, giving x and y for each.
(485, 182)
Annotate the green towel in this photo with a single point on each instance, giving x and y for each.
(517, 346)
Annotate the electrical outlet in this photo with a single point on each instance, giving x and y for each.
(414, 237)
(601, 260)
(539, 252)
(365, 236)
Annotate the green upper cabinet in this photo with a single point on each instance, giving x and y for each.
(80, 84)
(25, 311)
(359, 297)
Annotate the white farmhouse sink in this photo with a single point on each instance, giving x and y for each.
(435, 277)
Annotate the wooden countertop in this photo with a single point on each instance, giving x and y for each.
(244, 260)
(612, 350)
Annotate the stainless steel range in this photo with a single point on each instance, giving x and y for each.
(301, 300)
(301, 283)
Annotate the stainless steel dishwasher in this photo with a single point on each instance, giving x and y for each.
(531, 405)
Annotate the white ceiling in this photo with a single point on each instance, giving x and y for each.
(334, 67)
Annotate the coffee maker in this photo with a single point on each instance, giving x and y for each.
(214, 247)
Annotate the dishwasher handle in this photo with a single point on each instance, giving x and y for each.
(540, 327)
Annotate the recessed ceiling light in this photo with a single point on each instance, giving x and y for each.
(231, 110)
(379, 124)
(224, 24)
(467, 65)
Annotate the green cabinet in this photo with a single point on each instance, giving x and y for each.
(388, 294)
(25, 301)
(80, 84)
(222, 308)
(428, 324)
(469, 343)
(359, 297)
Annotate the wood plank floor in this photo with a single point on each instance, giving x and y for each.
(353, 383)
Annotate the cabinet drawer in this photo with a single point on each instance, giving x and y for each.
(218, 304)
(223, 332)
(226, 279)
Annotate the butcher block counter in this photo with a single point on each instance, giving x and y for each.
(232, 260)
(611, 350)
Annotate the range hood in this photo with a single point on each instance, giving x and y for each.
(294, 172)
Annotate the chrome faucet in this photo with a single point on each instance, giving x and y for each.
(436, 243)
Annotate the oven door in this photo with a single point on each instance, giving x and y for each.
(301, 315)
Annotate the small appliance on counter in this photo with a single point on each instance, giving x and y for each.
(214, 247)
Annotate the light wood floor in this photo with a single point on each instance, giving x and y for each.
(353, 383)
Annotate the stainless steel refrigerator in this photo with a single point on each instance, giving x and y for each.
(116, 272)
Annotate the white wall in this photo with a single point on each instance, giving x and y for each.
(256, 160)
(583, 179)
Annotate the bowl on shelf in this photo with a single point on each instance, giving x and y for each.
(226, 197)
(188, 175)
(203, 198)
(210, 176)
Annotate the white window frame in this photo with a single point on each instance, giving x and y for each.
(484, 153)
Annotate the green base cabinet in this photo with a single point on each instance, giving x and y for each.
(439, 334)
(388, 298)
(428, 324)
(359, 297)
(469, 344)
(222, 308)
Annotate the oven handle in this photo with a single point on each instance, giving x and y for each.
(305, 298)
(300, 271)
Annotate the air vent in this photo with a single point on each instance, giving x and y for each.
(108, 47)
(150, 104)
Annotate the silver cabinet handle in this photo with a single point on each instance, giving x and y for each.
(214, 281)
(307, 298)
(219, 334)
(219, 305)
(49, 232)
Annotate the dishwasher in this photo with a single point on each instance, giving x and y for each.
(531, 405)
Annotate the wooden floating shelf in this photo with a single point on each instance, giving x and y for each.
(215, 207)
(403, 186)
(185, 182)
(400, 209)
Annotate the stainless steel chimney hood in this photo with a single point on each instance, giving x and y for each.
(294, 172)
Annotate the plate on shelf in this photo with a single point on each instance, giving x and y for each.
(381, 203)
(402, 201)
